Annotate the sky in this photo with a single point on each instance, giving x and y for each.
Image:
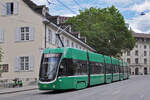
(130, 9)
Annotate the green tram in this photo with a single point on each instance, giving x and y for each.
(70, 68)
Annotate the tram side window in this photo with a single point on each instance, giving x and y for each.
(80, 67)
(108, 69)
(96, 68)
(115, 68)
(70, 67)
(120, 69)
(66, 68)
(125, 70)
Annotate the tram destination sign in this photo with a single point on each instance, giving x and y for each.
(52, 55)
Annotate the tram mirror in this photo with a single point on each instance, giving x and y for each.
(61, 67)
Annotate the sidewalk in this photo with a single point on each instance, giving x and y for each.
(17, 89)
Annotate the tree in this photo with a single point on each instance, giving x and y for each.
(105, 30)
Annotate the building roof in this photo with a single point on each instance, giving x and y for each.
(140, 35)
(39, 8)
(34, 7)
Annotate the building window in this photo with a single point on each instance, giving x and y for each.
(24, 63)
(57, 41)
(136, 53)
(144, 46)
(49, 36)
(24, 33)
(10, 8)
(128, 53)
(72, 45)
(128, 60)
(1, 36)
(145, 61)
(136, 60)
(62, 39)
(145, 53)
(68, 43)
(4, 68)
(80, 47)
(76, 45)
(136, 46)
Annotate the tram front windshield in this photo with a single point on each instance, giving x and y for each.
(49, 66)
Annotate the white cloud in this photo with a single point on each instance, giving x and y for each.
(141, 7)
(39, 2)
(68, 15)
(119, 2)
(116, 1)
(140, 23)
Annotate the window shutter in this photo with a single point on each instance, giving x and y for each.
(47, 35)
(17, 64)
(31, 35)
(18, 34)
(64, 41)
(53, 38)
(1, 35)
(15, 7)
(31, 63)
(3, 9)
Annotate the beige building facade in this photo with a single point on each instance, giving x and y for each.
(25, 30)
(139, 57)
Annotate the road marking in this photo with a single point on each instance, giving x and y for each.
(116, 92)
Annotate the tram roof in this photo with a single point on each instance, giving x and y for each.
(68, 52)
(95, 57)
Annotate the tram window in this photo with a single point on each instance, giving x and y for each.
(122, 69)
(65, 68)
(70, 67)
(96, 68)
(117, 69)
(108, 69)
(80, 67)
(113, 68)
(62, 68)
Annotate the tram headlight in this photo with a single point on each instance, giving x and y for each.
(54, 86)
(60, 80)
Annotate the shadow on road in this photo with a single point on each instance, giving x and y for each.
(56, 92)
(52, 92)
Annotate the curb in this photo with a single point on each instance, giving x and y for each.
(10, 92)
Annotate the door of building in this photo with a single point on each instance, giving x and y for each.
(145, 71)
(136, 71)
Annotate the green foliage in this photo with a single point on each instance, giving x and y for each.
(105, 30)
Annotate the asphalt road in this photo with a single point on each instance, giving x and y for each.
(136, 88)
